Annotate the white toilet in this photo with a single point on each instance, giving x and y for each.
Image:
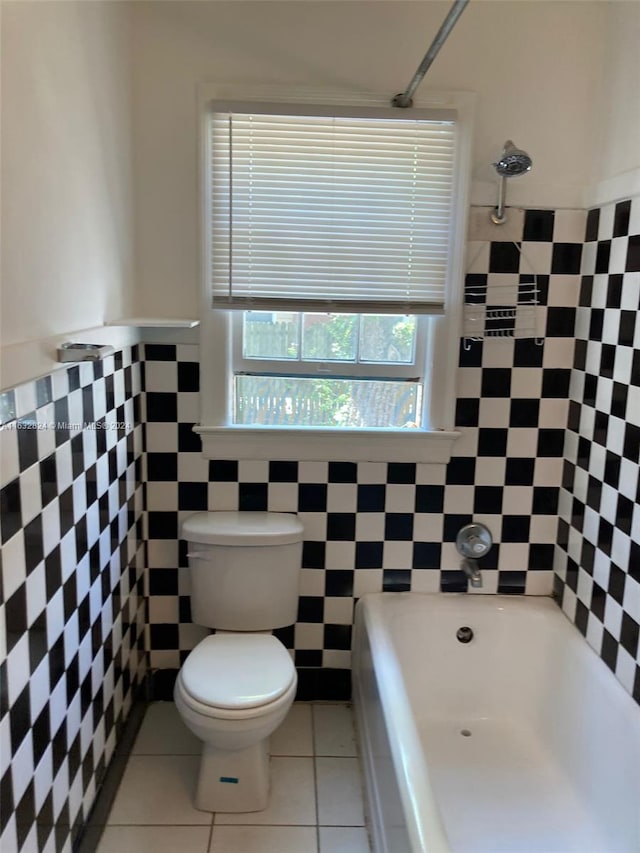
(237, 685)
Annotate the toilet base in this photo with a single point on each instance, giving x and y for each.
(233, 780)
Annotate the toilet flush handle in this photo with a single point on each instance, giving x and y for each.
(199, 555)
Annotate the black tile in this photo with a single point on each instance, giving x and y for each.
(16, 616)
(566, 258)
(624, 514)
(527, 353)
(593, 220)
(429, 498)
(607, 360)
(65, 510)
(53, 572)
(44, 391)
(504, 257)
(511, 583)
(401, 472)
(470, 354)
(619, 398)
(596, 322)
(188, 376)
(10, 510)
(487, 499)
(162, 467)
(308, 657)
(313, 555)
(33, 548)
(515, 528)
(617, 583)
(324, 684)
(581, 618)
(550, 442)
(371, 497)
(162, 406)
(545, 500)
(312, 497)
(524, 412)
(621, 218)
(561, 322)
(614, 291)
(61, 416)
(337, 637)
(41, 738)
(609, 653)
(223, 471)
(38, 641)
(538, 226)
(188, 440)
(398, 526)
(633, 254)
(369, 555)
(629, 633)
(340, 582)
(627, 328)
(426, 555)
(631, 447)
(541, 556)
(452, 580)
(310, 608)
(496, 382)
(461, 471)
(163, 525)
(585, 299)
(519, 471)
(73, 377)
(492, 442)
(160, 352)
(603, 254)
(163, 581)
(20, 719)
(343, 472)
(396, 580)
(27, 441)
(25, 814)
(164, 636)
(283, 472)
(467, 412)
(475, 288)
(452, 524)
(555, 382)
(193, 496)
(341, 526)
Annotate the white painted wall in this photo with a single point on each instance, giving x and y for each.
(535, 66)
(617, 110)
(67, 209)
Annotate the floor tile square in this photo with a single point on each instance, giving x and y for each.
(333, 730)
(339, 792)
(295, 735)
(154, 839)
(344, 839)
(163, 733)
(158, 790)
(292, 799)
(263, 839)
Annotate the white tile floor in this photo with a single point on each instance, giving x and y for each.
(316, 791)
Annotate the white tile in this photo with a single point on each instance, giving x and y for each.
(154, 839)
(163, 733)
(333, 730)
(264, 839)
(339, 792)
(158, 789)
(343, 839)
(367, 580)
(295, 735)
(291, 800)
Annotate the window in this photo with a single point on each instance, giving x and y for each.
(331, 257)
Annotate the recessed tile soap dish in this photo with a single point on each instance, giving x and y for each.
(83, 352)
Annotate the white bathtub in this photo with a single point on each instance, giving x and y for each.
(521, 741)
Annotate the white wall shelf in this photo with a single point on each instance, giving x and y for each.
(156, 322)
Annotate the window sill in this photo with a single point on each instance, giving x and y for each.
(312, 444)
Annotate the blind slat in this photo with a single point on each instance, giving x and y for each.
(330, 212)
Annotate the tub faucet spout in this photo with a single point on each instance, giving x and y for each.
(471, 570)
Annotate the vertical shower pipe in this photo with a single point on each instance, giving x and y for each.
(405, 99)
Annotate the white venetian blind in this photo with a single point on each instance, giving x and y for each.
(330, 213)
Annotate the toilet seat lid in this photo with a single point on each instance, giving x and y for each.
(237, 670)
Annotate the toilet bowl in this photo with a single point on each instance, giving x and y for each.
(232, 692)
(237, 685)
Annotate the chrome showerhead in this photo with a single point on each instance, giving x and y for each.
(512, 163)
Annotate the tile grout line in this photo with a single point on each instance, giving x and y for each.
(315, 774)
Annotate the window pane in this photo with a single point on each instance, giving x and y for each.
(301, 401)
(387, 338)
(329, 337)
(270, 334)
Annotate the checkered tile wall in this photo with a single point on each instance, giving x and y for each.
(598, 560)
(371, 526)
(71, 601)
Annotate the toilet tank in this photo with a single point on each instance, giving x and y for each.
(244, 569)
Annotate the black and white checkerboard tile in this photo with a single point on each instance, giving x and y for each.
(598, 566)
(376, 526)
(72, 604)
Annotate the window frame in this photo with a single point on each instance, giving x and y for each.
(433, 442)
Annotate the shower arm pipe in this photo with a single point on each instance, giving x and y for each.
(498, 216)
(405, 99)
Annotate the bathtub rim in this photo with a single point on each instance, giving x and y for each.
(425, 826)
